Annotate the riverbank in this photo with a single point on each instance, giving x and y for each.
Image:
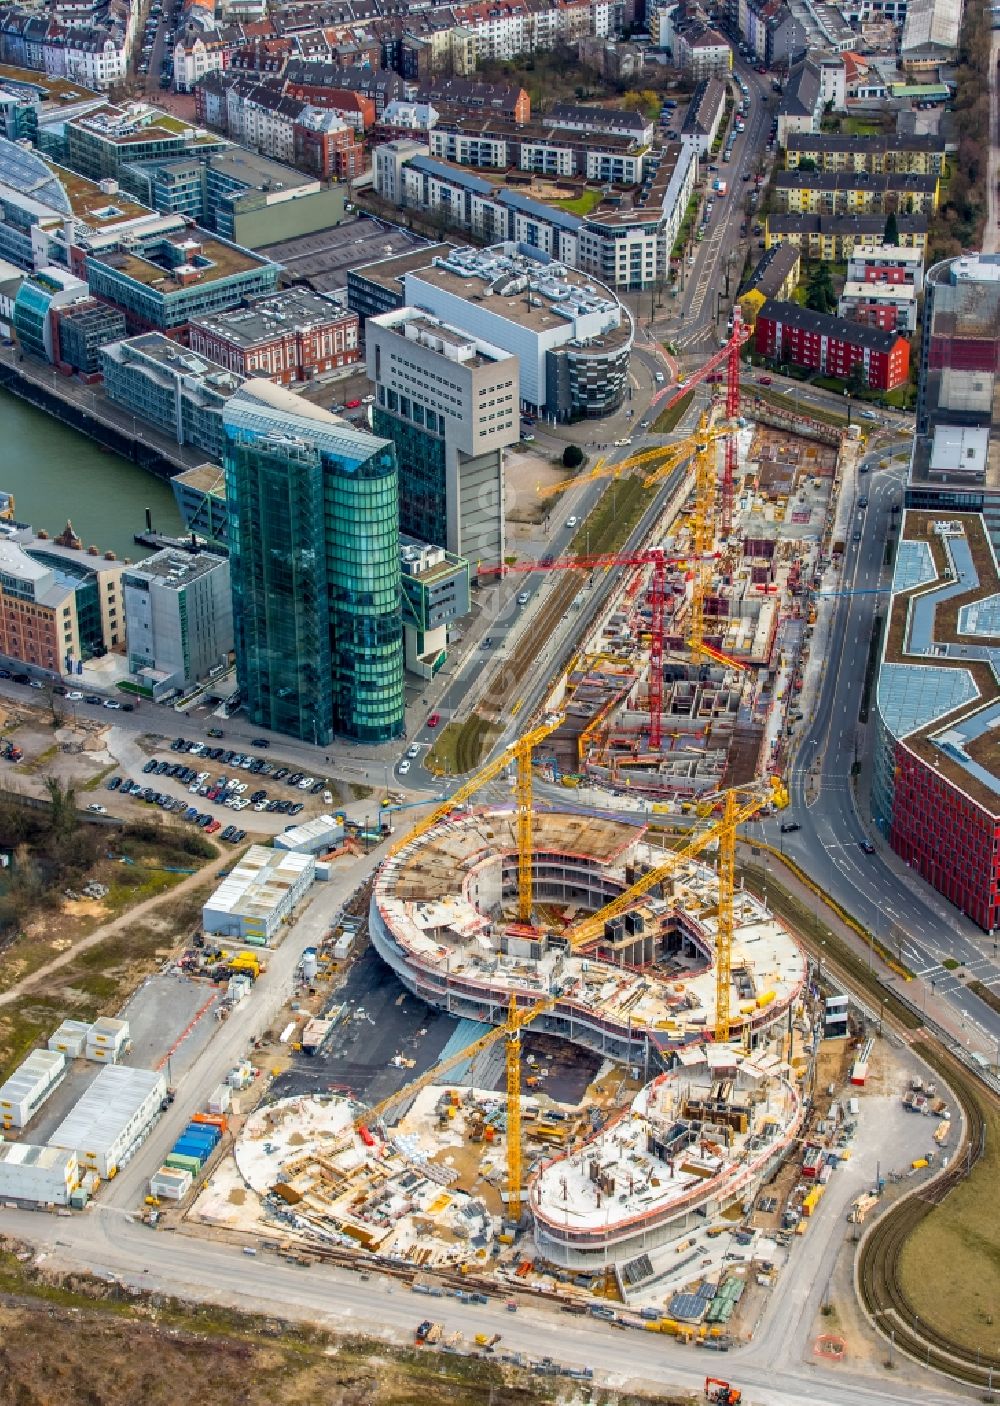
(55, 473)
(87, 409)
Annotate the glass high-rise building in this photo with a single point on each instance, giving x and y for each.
(315, 566)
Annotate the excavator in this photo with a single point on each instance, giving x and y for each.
(721, 1393)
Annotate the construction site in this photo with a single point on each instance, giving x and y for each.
(610, 932)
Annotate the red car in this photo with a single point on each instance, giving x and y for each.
(761, 69)
(763, 380)
(351, 404)
(434, 719)
(212, 826)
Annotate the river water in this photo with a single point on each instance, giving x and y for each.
(55, 473)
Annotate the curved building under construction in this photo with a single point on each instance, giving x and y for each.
(644, 986)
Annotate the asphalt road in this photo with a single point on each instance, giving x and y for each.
(776, 1369)
(877, 889)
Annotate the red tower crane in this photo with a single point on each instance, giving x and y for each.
(659, 561)
(730, 354)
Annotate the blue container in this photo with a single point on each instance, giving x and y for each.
(206, 1131)
(191, 1149)
(189, 1136)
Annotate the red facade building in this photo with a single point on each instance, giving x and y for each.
(786, 331)
(289, 336)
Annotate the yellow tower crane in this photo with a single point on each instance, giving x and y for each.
(734, 814)
(664, 458)
(518, 752)
(517, 1018)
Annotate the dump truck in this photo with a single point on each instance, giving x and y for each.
(427, 1333)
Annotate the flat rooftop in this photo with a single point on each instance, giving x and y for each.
(59, 90)
(92, 205)
(939, 683)
(259, 172)
(176, 570)
(205, 260)
(141, 122)
(536, 296)
(204, 478)
(390, 272)
(292, 310)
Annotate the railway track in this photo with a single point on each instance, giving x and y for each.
(516, 671)
(877, 1270)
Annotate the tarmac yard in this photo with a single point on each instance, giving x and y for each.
(381, 1022)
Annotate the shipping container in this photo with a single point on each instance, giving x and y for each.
(171, 1183)
(182, 1163)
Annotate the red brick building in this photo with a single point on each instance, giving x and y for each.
(787, 332)
(289, 336)
(327, 147)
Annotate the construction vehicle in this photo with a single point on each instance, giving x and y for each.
(427, 1333)
(720, 1392)
(487, 1340)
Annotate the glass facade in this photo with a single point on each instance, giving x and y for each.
(314, 555)
(423, 491)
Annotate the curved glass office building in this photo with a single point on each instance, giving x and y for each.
(314, 557)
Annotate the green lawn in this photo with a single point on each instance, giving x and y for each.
(581, 204)
(670, 419)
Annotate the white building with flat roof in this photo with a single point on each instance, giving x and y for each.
(571, 336)
(444, 394)
(178, 618)
(259, 894)
(29, 1086)
(42, 1175)
(110, 1120)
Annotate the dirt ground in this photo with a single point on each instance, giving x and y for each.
(65, 1342)
(526, 470)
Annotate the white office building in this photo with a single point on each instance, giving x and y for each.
(450, 402)
(571, 336)
(178, 619)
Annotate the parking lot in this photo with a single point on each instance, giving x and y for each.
(322, 259)
(220, 791)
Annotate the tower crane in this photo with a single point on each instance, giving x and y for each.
(730, 354)
(664, 458)
(518, 1017)
(659, 560)
(734, 814)
(518, 752)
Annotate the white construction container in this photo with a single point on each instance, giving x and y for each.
(42, 1175)
(342, 946)
(170, 1183)
(29, 1086)
(112, 1117)
(219, 1099)
(70, 1039)
(312, 836)
(108, 1040)
(258, 895)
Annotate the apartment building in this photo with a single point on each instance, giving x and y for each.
(855, 193)
(788, 332)
(836, 238)
(919, 155)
